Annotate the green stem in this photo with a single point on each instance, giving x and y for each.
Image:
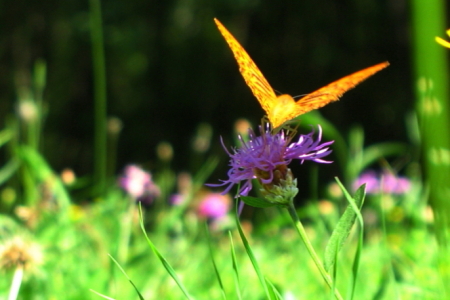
(16, 283)
(301, 231)
(125, 231)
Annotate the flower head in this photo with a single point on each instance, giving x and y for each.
(266, 157)
(138, 184)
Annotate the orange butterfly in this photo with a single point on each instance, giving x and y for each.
(283, 108)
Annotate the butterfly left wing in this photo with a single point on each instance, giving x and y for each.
(333, 91)
(255, 80)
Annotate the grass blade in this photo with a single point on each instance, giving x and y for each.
(101, 295)
(165, 263)
(126, 275)
(8, 170)
(343, 227)
(252, 257)
(216, 271)
(235, 268)
(359, 198)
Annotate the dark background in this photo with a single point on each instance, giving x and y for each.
(169, 69)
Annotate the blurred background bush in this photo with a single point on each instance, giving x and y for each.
(169, 69)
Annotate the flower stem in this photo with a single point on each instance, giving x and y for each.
(301, 231)
(16, 283)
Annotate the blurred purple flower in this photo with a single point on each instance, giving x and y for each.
(138, 184)
(370, 178)
(267, 156)
(176, 199)
(391, 184)
(214, 205)
(386, 182)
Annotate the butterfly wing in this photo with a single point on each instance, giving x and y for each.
(333, 91)
(248, 69)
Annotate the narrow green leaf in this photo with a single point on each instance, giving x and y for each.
(101, 295)
(359, 198)
(8, 170)
(165, 263)
(251, 256)
(343, 227)
(273, 290)
(257, 202)
(374, 152)
(42, 172)
(126, 275)
(5, 136)
(216, 271)
(235, 268)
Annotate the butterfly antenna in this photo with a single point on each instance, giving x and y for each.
(298, 96)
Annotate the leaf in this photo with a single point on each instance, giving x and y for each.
(250, 254)
(165, 263)
(126, 275)
(42, 172)
(275, 294)
(8, 170)
(235, 268)
(343, 227)
(216, 270)
(257, 202)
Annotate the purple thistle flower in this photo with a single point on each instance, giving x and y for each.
(267, 156)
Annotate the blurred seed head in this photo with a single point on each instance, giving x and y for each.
(326, 207)
(30, 216)
(68, 176)
(184, 182)
(20, 253)
(27, 111)
(428, 215)
(164, 151)
(114, 126)
(202, 139)
(241, 126)
(8, 195)
(334, 190)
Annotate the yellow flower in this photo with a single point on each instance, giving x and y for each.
(442, 41)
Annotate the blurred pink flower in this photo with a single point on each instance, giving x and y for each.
(391, 184)
(176, 199)
(370, 178)
(386, 182)
(214, 205)
(138, 184)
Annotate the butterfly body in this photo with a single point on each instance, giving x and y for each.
(280, 109)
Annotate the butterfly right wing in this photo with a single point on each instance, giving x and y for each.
(248, 69)
(333, 91)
